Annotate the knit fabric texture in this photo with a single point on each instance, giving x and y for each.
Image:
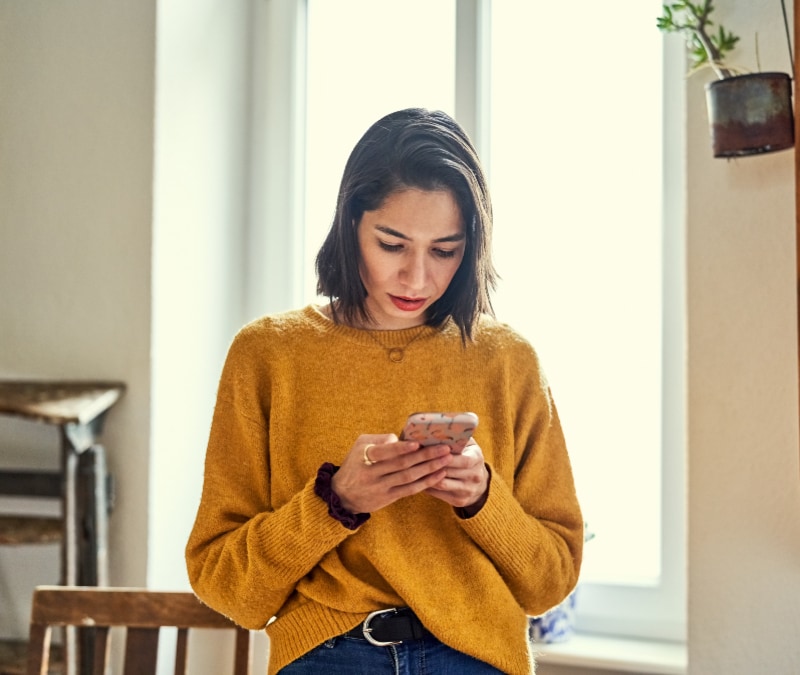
(297, 390)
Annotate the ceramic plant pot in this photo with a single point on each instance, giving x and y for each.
(555, 625)
(750, 114)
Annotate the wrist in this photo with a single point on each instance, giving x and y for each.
(471, 510)
(324, 490)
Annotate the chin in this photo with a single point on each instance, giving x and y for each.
(401, 317)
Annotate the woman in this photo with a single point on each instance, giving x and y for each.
(357, 551)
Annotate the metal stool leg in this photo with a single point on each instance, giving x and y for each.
(94, 507)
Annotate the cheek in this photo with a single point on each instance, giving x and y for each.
(371, 271)
(446, 274)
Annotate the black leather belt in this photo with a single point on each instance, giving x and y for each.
(389, 627)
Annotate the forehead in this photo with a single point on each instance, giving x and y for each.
(419, 210)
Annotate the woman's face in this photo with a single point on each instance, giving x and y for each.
(410, 248)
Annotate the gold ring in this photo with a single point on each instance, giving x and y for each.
(367, 459)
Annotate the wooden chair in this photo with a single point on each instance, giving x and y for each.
(140, 612)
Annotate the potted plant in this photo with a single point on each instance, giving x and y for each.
(748, 113)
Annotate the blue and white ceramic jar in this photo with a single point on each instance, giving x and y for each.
(556, 624)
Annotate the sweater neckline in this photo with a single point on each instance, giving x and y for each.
(393, 342)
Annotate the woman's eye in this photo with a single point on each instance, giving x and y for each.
(444, 253)
(392, 248)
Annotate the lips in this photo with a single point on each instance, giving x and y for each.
(407, 304)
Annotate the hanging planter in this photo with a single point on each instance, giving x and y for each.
(748, 114)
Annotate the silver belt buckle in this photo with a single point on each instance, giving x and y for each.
(367, 630)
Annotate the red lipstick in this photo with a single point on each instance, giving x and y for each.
(407, 304)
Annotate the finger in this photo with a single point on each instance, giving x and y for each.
(398, 455)
(374, 491)
(464, 476)
(404, 458)
(453, 497)
(366, 458)
(472, 448)
(428, 467)
(365, 447)
(457, 492)
(376, 439)
(464, 463)
(422, 484)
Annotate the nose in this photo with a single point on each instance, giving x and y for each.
(415, 272)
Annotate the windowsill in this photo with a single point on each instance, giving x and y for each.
(647, 657)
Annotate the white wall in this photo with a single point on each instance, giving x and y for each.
(89, 124)
(201, 162)
(76, 158)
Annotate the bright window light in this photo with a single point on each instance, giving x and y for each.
(366, 59)
(576, 176)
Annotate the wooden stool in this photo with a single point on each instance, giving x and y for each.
(82, 484)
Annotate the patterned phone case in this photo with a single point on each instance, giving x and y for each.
(453, 429)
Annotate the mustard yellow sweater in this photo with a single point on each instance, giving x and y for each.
(296, 391)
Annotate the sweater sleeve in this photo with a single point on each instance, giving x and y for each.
(531, 525)
(243, 558)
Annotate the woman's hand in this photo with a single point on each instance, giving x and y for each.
(398, 469)
(466, 480)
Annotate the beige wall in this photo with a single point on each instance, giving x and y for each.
(77, 161)
(76, 174)
(743, 453)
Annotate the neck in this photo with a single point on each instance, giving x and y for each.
(331, 310)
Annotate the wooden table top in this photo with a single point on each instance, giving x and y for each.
(58, 401)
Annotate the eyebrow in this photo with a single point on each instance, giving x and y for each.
(394, 233)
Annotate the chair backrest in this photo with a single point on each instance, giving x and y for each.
(141, 612)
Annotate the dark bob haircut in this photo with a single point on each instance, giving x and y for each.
(426, 150)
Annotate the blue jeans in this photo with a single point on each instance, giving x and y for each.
(345, 655)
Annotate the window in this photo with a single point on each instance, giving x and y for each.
(572, 139)
(358, 70)
(576, 180)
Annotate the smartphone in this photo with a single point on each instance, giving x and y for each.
(453, 429)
